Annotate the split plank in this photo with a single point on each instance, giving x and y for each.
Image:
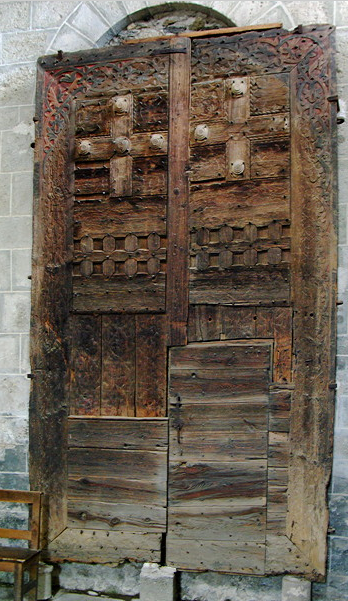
(151, 366)
(97, 515)
(118, 366)
(220, 355)
(85, 388)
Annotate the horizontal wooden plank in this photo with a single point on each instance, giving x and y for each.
(189, 444)
(257, 202)
(247, 415)
(119, 217)
(240, 285)
(131, 517)
(278, 453)
(100, 546)
(218, 523)
(215, 484)
(224, 384)
(113, 463)
(124, 433)
(140, 294)
(220, 355)
(221, 131)
(220, 556)
(279, 410)
(208, 162)
(269, 93)
(138, 491)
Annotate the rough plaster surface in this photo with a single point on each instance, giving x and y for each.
(30, 28)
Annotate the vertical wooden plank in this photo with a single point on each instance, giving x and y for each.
(121, 129)
(204, 322)
(151, 366)
(86, 365)
(264, 322)
(282, 344)
(118, 371)
(178, 193)
(238, 322)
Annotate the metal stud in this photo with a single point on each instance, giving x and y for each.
(201, 133)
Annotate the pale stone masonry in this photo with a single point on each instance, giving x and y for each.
(28, 30)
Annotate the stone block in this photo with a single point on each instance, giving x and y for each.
(9, 353)
(14, 16)
(21, 269)
(51, 13)
(296, 588)
(5, 270)
(211, 586)
(342, 375)
(26, 114)
(342, 224)
(114, 12)
(343, 180)
(137, 7)
(89, 21)
(342, 53)
(13, 459)
(69, 40)
(340, 462)
(339, 555)
(9, 116)
(22, 193)
(5, 194)
(17, 84)
(121, 580)
(13, 431)
(28, 45)
(157, 582)
(312, 11)
(14, 481)
(339, 514)
(342, 311)
(244, 13)
(14, 395)
(16, 152)
(224, 9)
(342, 411)
(24, 354)
(14, 312)
(341, 13)
(15, 232)
(342, 344)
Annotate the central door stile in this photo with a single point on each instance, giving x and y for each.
(178, 192)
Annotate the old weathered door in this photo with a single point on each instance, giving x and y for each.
(183, 305)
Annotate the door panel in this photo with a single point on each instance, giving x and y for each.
(185, 210)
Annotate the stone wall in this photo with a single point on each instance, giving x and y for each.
(28, 30)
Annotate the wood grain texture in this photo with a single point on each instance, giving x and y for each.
(151, 366)
(118, 367)
(118, 433)
(125, 517)
(178, 194)
(85, 390)
(100, 546)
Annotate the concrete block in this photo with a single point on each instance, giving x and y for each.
(22, 193)
(21, 269)
(5, 194)
(5, 270)
(15, 232)
(9, 116)
(69, 40)
(16, 152)
(296, 588)
(14, 15)
(122, 580)
(89, 21)
(17, 84)
(14, 395)
(9, 353)
(51, 13)
(340, 462)
(157, 582)
(14, 312)
(27, 45)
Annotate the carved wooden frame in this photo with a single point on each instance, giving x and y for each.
(308, 55)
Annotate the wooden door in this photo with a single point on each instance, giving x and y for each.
(183, 305)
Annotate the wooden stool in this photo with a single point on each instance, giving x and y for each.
(17, 559)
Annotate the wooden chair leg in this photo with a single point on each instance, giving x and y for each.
(18, 582)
